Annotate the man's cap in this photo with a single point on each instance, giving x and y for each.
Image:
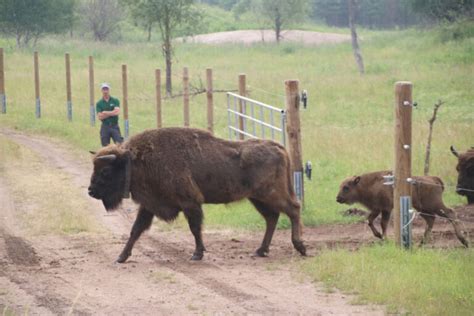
(104, 85)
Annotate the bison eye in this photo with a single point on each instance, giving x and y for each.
(106, 172)
(345, 189)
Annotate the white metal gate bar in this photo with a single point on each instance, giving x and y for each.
(234, 115)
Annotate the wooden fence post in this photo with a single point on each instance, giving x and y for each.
(68, 87)
(3, 98)
(402, 168)
(186, 95)
(159, 122)
(242, 92)
(37, 86)
(125, 100)
(210, 101)
(293, 129)
(91, 91)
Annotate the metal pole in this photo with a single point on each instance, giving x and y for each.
(242, 92)
(125, 100)
(405, 221)
(37, 87)
(186, 96)
(252, 110)
(210, 101)
(3, 98)
(272, 123)
(229, 119)
(283, 127)
(91, 91)
(403, 136)
(68, 87)
(159, 122)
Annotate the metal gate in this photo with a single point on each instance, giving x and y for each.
(242, 120)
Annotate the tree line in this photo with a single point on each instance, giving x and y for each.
(29, 20)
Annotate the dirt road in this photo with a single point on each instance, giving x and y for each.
(248, 37)
(76, 274)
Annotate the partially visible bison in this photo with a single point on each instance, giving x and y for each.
(465, 168)
(178, 169)
(369, 190)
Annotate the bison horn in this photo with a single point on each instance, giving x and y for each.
(454, 151)
(107, 157)
(92, 152)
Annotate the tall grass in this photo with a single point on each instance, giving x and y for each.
(347, 128)
(420, 282)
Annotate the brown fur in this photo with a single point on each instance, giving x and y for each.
(179, 169)
(465, 168)
(368, 189)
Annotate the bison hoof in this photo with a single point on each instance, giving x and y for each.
(197, 256)
(261, 253)
(122, 258)
(300, 247)
(465, 243)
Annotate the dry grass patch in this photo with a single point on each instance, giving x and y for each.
(45, 200)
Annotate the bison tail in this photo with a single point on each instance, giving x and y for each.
(440, 182)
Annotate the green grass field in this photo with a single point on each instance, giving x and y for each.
(347, 129)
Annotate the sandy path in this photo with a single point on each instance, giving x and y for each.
(248, 37)
(63, 274)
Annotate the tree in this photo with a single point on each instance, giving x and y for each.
(102, 17)
(355, 40)
(29, 20)
(278, 13)
(169, 16)
(371, 13)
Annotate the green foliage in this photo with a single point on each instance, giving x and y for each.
(169, 15)
(418, 282)
(275, 13)
(28, 20)
(457, 31)
(443, 10)
(371, 13)
(101, 18)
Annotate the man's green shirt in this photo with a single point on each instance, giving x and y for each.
(103, 105)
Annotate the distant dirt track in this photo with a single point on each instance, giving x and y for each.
(258, 36)
(75, 274)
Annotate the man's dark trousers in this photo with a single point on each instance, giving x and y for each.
(110, 131)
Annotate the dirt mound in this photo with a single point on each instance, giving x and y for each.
(259, 36)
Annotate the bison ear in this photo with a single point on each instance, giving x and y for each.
(92, 152)
(356, 180)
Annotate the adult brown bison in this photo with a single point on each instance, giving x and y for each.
(178, 169)
(369, 190)
(465, 168)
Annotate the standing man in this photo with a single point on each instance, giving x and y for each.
(108, 109)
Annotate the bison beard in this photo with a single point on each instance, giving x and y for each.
(179, 169)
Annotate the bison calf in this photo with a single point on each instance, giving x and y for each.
(368, 189)
(178, 169)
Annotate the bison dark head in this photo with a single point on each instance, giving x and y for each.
(348, 193)
(465, 168)
(109, 176)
